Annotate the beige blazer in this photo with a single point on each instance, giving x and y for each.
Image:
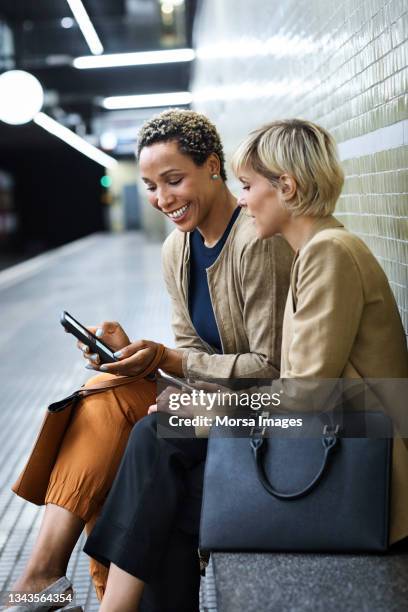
(248, 286)
(341, 320)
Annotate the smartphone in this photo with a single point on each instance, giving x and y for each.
(174, 380)
(80, 332)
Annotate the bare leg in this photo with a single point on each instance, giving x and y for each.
(59, 532)
(123, 591)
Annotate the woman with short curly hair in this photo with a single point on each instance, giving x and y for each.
(227, 324)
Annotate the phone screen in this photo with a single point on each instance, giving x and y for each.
(78, 326)
(102, 348)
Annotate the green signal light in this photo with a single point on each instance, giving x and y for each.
(106, 181)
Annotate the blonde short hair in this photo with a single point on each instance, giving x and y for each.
(305, 151)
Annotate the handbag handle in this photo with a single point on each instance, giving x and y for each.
(111, 383)
(118, 381)
(258, 446)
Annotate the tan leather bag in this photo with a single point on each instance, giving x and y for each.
(32, 483)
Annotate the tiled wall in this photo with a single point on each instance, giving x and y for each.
(342, 63)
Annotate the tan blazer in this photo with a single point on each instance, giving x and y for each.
(248, 286)
(341, 320)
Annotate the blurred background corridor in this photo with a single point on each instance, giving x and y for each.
(77, 80)
(340, 63)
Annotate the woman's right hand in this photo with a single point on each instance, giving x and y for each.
(112, 334)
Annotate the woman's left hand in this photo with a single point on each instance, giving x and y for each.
(132, 359)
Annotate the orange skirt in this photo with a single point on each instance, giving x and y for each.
(91, 452)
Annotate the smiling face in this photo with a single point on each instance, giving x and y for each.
(176, 186)
(264, 202)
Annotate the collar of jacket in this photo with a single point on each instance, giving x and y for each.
(321, 224)
(186, 253)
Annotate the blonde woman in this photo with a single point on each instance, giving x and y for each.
(341, 319)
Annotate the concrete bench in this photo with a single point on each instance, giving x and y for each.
(251, 582)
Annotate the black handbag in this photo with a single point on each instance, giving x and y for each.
(325, 493)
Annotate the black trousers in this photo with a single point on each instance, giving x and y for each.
(150, 521)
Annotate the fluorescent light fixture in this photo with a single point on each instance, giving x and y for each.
(148, 100)
(140, 58)
(86, 26)
(73, 140)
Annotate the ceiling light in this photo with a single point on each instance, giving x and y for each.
(86, 26)
(21, 97)
(75, 141)
(148, 100)
(67, 22)
(140, 58)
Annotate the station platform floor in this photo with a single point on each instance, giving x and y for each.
(100, 277)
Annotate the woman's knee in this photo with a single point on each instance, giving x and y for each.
(98, 378)
(131, 399)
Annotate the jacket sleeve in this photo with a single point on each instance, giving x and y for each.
(263, 278)
(329, 307)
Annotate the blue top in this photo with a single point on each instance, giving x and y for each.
(199, 301)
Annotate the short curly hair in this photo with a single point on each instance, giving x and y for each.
(196, 136)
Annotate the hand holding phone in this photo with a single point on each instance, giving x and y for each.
(74, 327)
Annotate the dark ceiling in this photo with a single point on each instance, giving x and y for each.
(46, 49)
(122, 25)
